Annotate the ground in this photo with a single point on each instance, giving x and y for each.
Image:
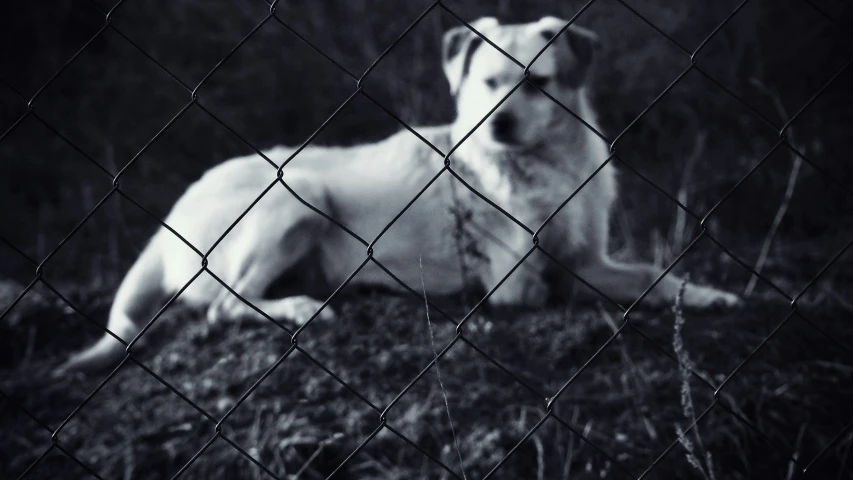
(630, 402)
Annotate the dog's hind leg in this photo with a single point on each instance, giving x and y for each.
(141, 288)
(261, 267)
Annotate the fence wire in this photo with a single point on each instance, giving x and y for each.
(194, 100)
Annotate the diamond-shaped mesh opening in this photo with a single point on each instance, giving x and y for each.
(115, 427)
(798, 70)
(784, 234)
(78, 183)
(832, 10)
(318, 419)
(57, 460)
(818, 136)
(621, 31)
(170, 159)
(127, 103)
(719, 438)
(824, 304)
(686, 25)
(66, 28)
(13, 106)
(45, 308)
(231, 462)
(379, 343)
(718, 351)
(444, 415)
(562, 448)
(694, 146)
(279, 75)
(192, 40)
(799, 388)
(378, 30)
(19, 424)
(631, 395)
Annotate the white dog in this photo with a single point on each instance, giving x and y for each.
(527, 157)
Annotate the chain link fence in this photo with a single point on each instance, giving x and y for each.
(464, 333)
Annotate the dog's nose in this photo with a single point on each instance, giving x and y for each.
(503, 126)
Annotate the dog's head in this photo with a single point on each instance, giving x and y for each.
(480, 76)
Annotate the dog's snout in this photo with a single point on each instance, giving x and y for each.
(503, 126)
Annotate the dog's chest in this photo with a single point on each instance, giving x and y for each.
(526, 191)
(527, 187)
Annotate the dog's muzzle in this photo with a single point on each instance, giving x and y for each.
(504, 127)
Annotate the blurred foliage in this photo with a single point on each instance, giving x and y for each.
(276, 90)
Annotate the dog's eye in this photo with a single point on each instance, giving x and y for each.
(492, 82)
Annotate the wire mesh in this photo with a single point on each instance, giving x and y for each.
(219, 423)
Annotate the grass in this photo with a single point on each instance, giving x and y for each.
(302, 423)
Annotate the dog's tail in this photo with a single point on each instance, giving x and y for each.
(141, 287)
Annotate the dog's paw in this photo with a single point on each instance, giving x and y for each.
(242, 311)
(301, 309)
(707, 298)
(232, 311)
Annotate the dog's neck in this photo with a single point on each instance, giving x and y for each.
(512, 172)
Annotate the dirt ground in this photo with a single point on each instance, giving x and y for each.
(616, 419)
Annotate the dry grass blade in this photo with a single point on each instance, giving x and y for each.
(789, 190)
(694, 451)
(570, 450)
(679, 231)
(438, 372)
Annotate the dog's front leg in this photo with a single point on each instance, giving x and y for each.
(624, 283)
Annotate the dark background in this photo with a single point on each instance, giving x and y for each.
(276, 90)
(697, 142)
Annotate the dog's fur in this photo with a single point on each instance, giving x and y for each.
(527, 158)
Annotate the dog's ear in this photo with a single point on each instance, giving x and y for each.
(580, 41)
(458, 45)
